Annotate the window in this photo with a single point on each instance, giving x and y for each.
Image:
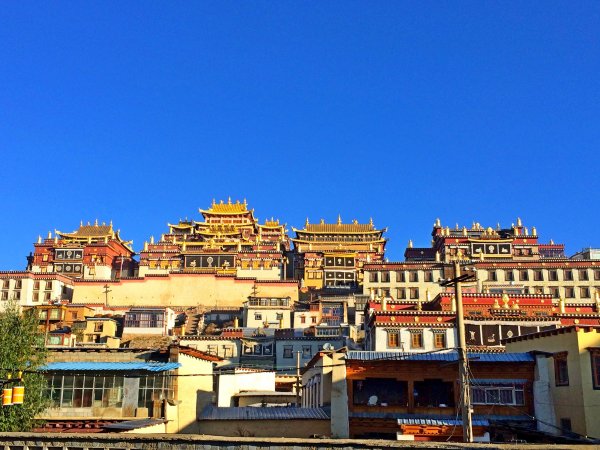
(498, 395)
(36, 284)
(302, 319)
(492, 275)
(509, 275)
(439, 339)
(555, 291)
(433, 392)
(414, 293)
(538, 275)
(565, 425)
(18, 284)
(393, 340)
(288, 351)
(380, 392)
(597, 275)
(523, 275)
(98, 327)
(583, 275)
(48, 285)
(414, 276)
(400, 293)
(257, 316)
(568, 275)
(584, 292)
(306, 351)
(6, 284)
(313, 319)
(595, 360)
(17, 295)
(569, 292)
(279, 316)
(400, 276)
(561, 369)
(428, 276)
(144, 319)
(48, 296)
(416, 339)
(553, 275)
(385, 277)
(36, 297)
(4, 295)
(374, 277)
(228, 351)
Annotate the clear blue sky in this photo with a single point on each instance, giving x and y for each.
(142, 112)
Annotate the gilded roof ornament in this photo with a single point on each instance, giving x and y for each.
(438, 222)
(533, 231)
(339, 222)
(410, 243)
(39, 241)
(519, 223)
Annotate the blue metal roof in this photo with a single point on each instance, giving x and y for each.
(447, 356)
(272, 413)
(150, 366)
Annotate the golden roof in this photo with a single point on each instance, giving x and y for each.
(227, 208)
(339, 227)
(93, 231)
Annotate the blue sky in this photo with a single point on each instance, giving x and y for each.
(142, 112)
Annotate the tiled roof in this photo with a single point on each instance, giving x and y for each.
(339, 227)
(134, 424)
(273, 413)
(116, 366)
(449, 356)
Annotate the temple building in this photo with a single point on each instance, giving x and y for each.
(332, 255)
(229, 240)
(90, 252)
(510, 260)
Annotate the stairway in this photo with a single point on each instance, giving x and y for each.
(191, 324)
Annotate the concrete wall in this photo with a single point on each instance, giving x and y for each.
(232, 384)
(181, 290)
(296, 428)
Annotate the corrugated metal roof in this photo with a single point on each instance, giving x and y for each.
(440, 422)
(504, 381)
(134, 424)
(150, 366)
(273, 413)
(448, 356)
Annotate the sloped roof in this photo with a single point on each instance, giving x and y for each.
(150, 366)
(450, 356)
(251, 413)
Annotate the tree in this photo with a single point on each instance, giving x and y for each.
(22, 348)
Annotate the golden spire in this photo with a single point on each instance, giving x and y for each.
(306, 223)
(39, 241)
(551, 241)
(339, 222)
(322, 221)
(438, 222)
(410, 243)
(229, 200)
(533, 231)
(371, 221)
(519, 223)
(81, 223)
(96, 223)
(152, 239)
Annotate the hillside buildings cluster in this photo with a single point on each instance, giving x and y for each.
(227, 325)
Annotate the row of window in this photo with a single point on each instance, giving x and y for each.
(544, 275)
(18, 284)
(416, 339)
(16, 295)
(412, 276)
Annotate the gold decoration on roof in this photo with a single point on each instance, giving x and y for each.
(227, 208)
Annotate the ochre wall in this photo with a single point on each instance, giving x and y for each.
(181, 290)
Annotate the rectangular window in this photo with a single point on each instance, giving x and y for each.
(523, 275)
(17, 295)
(400, 293)
(48, 285)
(498, 395)
(302, 319)
(569, 292)
(6, 284)
(597, 275)
(98, 326)
(4, 295)
(561, 369)
(306, 351)
(18, 284)
(509, 275)
(36, 296)
(414, 276)
(227, 351)
(313, 319)
(568, 275)
(416, 339)
(583, 275)
(48, 296)
(555, 291)
(379, 392)
(595, 360)
(257, 316)
(36, 284)
(374, 277)
(439, 340)
(492, 275)
(288, 351)
(428, 276)
(414, 293)
(538, 275)
(400, 276)
(553, 275)
(393, 339)
(584, 292)
(385, 277)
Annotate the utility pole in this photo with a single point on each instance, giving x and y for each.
(106, 291)
(463, 362)
(463, 359)
(298, 379)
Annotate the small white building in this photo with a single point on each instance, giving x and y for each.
(156, 321)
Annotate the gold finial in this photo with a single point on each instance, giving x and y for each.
(152, 239)
(306, 223)
(498, 226)
(222, 202)
(39, 241)
(410, 243)
(96, 223)
(496, 303)
(519, 223)
(533, 231)
(551, 241)
(561, 304)
(515, 304)
(371, 221)
(456, 227)
(245, 203)
(438, 222)
(146, 246)
(322, 221)
(103, 223)
(505, 300)
(81, 223)
(355, 221)
(339, 219)
(49, 234)
(464, 231)
(214, 202)
(88, 224)
(229, 200)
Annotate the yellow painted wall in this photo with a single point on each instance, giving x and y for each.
(181, 290)
(578, 401)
